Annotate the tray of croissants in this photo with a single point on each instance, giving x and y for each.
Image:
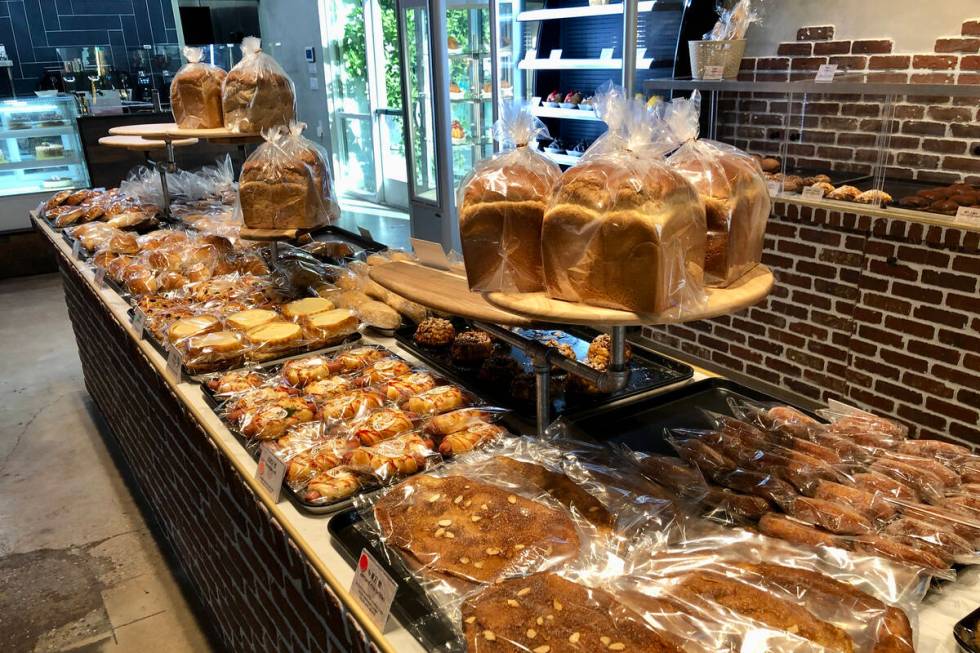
(350, 421)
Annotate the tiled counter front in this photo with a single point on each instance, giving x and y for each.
(881, 312)
(259, 589)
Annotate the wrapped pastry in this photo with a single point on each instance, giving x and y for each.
(623, 230)
(195, 93)
(730, 184)
(257, 94)
(286, 183)
(501, 207)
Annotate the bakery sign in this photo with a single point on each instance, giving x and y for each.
(373, 588)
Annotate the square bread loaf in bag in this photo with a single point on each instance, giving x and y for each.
(257, 94)
(501, 207)
(623, 230)
(195, 93)
(732, 187)
(286, 183)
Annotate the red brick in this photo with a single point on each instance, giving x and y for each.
(933, 351)
(796, 248)
(875, 367)
(849, 63)
(783, 367)
(871, 399)
(889, 62)
(956, 375)
(916, 416)
(910, 327)
(887, 78)
(712, 343)
(959, 340)
(831, 122)
(892, 270)
(816, 269)
(887, 303)
(821, 33)
(923, 128)
(917, 293)
(970, 62)
(880, 336)
(909, 111)
(967, 263)
(913, 160)
(935, 62)
(927, 384)
(963, 302)
(903, 360)
(866, 316)
(748, 326)
(861, 140)
(792, 310)
(958, 163)
(972, 362)
(766, 317)
(807, 63)
(952, 410)
(950, 281)
(794, 49)
(804, 389)
(967, 434)
(832, 47)
(871, 47)
(965, 131)
(899, 392)
(727, 361)
(971, 28)
(942, 146)
(772, 63)
(787, 338)
(827, 351)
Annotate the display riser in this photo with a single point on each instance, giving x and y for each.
(258, 590)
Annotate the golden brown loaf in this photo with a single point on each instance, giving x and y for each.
(623, 236)
(500, 218)
(284, 191)
(195, 96)
(256, 99)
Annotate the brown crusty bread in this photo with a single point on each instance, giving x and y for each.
(623, 236)
(794, 532)
(255, 99)
(834, 517)
(872, 506)
(280, 192)
(195, 96)
(544, 612)
(472, 530)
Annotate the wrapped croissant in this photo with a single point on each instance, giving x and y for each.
(501, 207)
(730, 184)
(257, 94)
(195, 93)
(623, 230)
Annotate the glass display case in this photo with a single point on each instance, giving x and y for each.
(40, 148)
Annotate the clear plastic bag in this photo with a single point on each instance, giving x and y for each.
(195, 93)
(733, 23)
(730, 184)
(623, 230)
(286, 183)
(257, 94)
(501, 207)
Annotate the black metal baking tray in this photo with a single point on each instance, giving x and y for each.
(640, 425)
(837, 178)
(412, 606)
(649, 371)
(966, 632)
(371, 246)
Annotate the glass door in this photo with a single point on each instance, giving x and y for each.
(388, 114)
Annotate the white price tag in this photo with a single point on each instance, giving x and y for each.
(530, 55)
(270, 472)
(813, 193)
(365, 233)
(826, 72)
(967, 214)
(76, 249)
(100, 277)
(173, 363)
(373, 588)
(139, 323)
(605, 53)
(773, 187)
(430, 254)
(555, 54)
(536, 101)
(713, 73)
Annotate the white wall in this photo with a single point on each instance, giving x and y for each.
(912, 24)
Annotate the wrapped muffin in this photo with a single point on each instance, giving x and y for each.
(257, 94)
(623, 230)
(286, 183)
(501, 207)
(732, 188)
(195, 93)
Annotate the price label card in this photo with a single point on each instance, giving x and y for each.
(813, 193)
(373, 588)
(139, 323)
(826, 72)
(270, 472)
(555, 54)
(536, 101)
(713, 73)
(430, 254)
(365, 233)
(100, 277)
(173, 363)
(967, 214)
(530, 55)
(773, 187)
(605, 54)
(76, 249)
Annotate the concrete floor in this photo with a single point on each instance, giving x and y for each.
(79, 569)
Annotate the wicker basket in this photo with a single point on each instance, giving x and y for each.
(727, 54)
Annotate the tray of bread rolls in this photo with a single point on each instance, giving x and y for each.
(349, 421)
(504, 374)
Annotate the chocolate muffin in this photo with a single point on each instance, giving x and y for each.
(435, 332)
(471, 348)
(523, 388)
(500, 368)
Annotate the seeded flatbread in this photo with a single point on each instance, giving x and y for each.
(546, 613)
(473, 530)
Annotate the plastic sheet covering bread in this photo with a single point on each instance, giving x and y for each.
(623, 230)
(732, 188)
(257, 94)
(286, 183)
(195, 93)
(501, 207)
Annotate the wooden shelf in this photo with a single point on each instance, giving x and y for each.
(750, 289)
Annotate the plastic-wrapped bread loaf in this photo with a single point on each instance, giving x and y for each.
(257, 94)
(195, 93)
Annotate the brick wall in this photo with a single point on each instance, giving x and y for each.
(259, 590)
(933, 139)
(882, 313)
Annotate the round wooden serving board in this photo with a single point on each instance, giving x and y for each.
(441, 290)
(140, 144)
(218, 134)
(750, 289)
(156, 131)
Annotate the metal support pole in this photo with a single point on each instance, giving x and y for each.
(162, 169)
(630, 37)
(542, 375)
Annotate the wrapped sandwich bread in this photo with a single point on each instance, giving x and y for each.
(257, 94)
(502, 205)
(623, 230)
(195, 93)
